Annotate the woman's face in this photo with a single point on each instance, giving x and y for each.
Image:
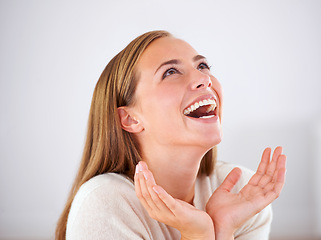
(177, 99)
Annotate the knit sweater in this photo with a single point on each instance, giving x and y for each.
(106, 207)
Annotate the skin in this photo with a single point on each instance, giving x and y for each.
(172, 146)
(168, 139)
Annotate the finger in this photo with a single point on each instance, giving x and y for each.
(157, 208)
(280, 180)
(277, 152)
(275, 193)
(137, 184)
(280, 165)
(138, 190)
(143, 165)
(167, 199)
(143, 178)
(154, 198)
(265, 160)
(231, 179)
(272, 165)
(271, 168)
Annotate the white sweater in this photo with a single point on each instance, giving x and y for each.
(106, 207)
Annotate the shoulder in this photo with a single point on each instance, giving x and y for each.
(108, 183)
(102, 189)
(106, 207)
(101, 206)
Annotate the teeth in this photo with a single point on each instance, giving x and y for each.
(210, 116)
(210, 102)
(210, 108)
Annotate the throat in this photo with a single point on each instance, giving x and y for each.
(177, 178)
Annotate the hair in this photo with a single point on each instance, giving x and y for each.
(109, 148)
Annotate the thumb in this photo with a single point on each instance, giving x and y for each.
(231, 179)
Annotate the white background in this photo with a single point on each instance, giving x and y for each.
(267, 55)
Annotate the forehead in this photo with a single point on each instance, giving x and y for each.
(164, 49)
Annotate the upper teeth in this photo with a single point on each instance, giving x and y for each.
(210, 102)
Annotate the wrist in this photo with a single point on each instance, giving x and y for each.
(210, 235)
(206, 234)
(224, 230)
(203, 237)
(224, 234)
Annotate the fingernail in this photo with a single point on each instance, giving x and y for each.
(136, 169)
(140, 168)
(155, 190)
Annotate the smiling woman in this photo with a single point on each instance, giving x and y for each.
(157, 108)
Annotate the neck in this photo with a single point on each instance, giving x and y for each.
(175, 169)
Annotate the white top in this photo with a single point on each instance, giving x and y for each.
(106, 207)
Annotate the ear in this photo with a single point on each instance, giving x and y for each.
(129, 123)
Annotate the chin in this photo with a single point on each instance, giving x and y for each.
(212, 136)
(216, 141)
(210, 141)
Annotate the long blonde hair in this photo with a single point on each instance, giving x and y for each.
(108, 147)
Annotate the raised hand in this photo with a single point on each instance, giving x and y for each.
(229, 211)
(191, 222)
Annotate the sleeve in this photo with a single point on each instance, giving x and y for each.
(258, 227)
(98, 216)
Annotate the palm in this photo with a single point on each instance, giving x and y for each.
(188, 218)
(230, 209)
(191, 222)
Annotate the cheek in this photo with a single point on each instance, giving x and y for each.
(166, 98)
(219, 91)
(162, 108)
(217, 88)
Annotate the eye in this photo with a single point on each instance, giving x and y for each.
(203, 65)
(169, 72)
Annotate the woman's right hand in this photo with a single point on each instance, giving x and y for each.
(191, 222)
(230, 210)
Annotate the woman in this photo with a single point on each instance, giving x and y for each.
(158, 108)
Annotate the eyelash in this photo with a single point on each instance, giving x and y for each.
(167, 72)
(206, 65)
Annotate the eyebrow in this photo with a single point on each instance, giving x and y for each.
(170, 62)
(198, 57)
(176, 61)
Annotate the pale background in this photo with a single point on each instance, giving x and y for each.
(267, 55)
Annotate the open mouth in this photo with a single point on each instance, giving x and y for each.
(202, 109)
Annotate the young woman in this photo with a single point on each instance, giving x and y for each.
(149, 167)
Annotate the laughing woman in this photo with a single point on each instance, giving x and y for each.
(149, 168)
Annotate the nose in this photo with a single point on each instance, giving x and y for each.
(201, 80)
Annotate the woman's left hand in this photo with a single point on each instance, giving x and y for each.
(191, 222)
(229, 210)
